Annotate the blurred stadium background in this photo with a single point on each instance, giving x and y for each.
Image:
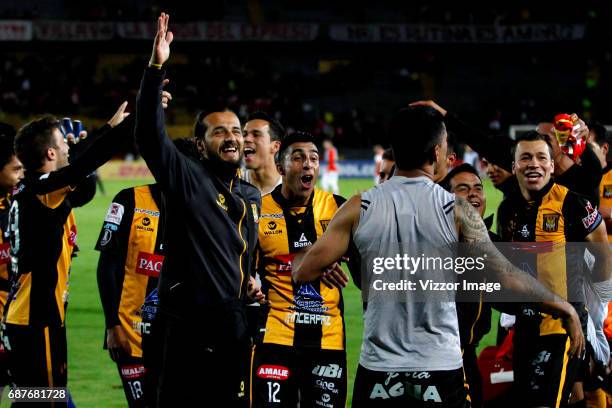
(336, 70)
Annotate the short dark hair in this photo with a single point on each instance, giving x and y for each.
(33, 140)
(388, 155)
(277, 131)
(200, 127)
(7, 143)
(531, 136)
(602, 136)
(295, 137)
(462, 168)
(414, 134)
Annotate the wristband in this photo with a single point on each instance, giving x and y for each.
(158, 66)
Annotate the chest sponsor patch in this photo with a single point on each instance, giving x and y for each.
(149, 264)
(5, 256)
(283, 264)
(115, 213)
(550, 222)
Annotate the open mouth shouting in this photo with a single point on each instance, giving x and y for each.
(249, 153)
(307, 181)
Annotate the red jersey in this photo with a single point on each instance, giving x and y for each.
(330, 157)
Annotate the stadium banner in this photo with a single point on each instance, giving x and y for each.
(15, 30)
(125, 170)
(467, 34)
(220, 31)
(353, 168)
(73, 31)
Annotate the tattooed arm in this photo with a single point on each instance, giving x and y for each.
(473, 232)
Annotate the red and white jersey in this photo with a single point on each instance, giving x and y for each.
(331, 155)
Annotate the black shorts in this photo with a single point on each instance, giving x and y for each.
(132, 373)
(410, 389)
(281, 375)
(37, 355)
(543, 372)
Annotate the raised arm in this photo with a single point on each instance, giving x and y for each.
(473, 231)
(331, 246)
(167, 164)
(97, 151)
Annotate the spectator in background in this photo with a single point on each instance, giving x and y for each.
(329, 181)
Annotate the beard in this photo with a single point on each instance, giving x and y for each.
(223, 166)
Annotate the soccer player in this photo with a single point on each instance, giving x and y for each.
(600, 143)
(329, 181)
(301, 332)
(550, 215)
(474, 317)
(387, 166)
(411, 352)
(42, 235)
(211, 236)
(262, 138)
(378, 158)
(11, 174)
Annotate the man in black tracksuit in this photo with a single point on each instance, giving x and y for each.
(211, 237)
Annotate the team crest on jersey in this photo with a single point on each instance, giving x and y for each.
(607, 191)
(255, 214)
(324, 224)
(221, 201)
(551, 222)
(525, 231)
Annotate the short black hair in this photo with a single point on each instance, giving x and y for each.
(277, 131)
(33, 140)
(388, 155)
(462, 168)
(7, 143)
(414, 133)
(531, 136)
(602, 136)
(200, 127)
(295, 137)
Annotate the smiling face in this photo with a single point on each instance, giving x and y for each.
(533, 166)
(223, 140)
(299, 167)
(258, 144)
(469, 186)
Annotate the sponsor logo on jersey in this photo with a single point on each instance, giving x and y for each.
(283, 264)
(149, 306)
(328, 371)
(132, 371)
(107, 235)
(525, 231)
(221, 201)
(146, 221)
(272, 229)
(273, 372)
(303, 242)
(114, 213)
(277, 216)
(72, 236)
(149, 264)
(308, 318)
(5, 255)
(607, 191)
(110, 226)
(145, 211)
(591, 218)
(307, 291)
(551, 222)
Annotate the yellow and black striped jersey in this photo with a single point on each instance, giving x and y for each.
(558, 217)
(43, 233)
(132, 236)
(308, 315)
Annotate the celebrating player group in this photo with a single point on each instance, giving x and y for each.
(222, 282)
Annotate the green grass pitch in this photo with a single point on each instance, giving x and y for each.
(93, 378)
